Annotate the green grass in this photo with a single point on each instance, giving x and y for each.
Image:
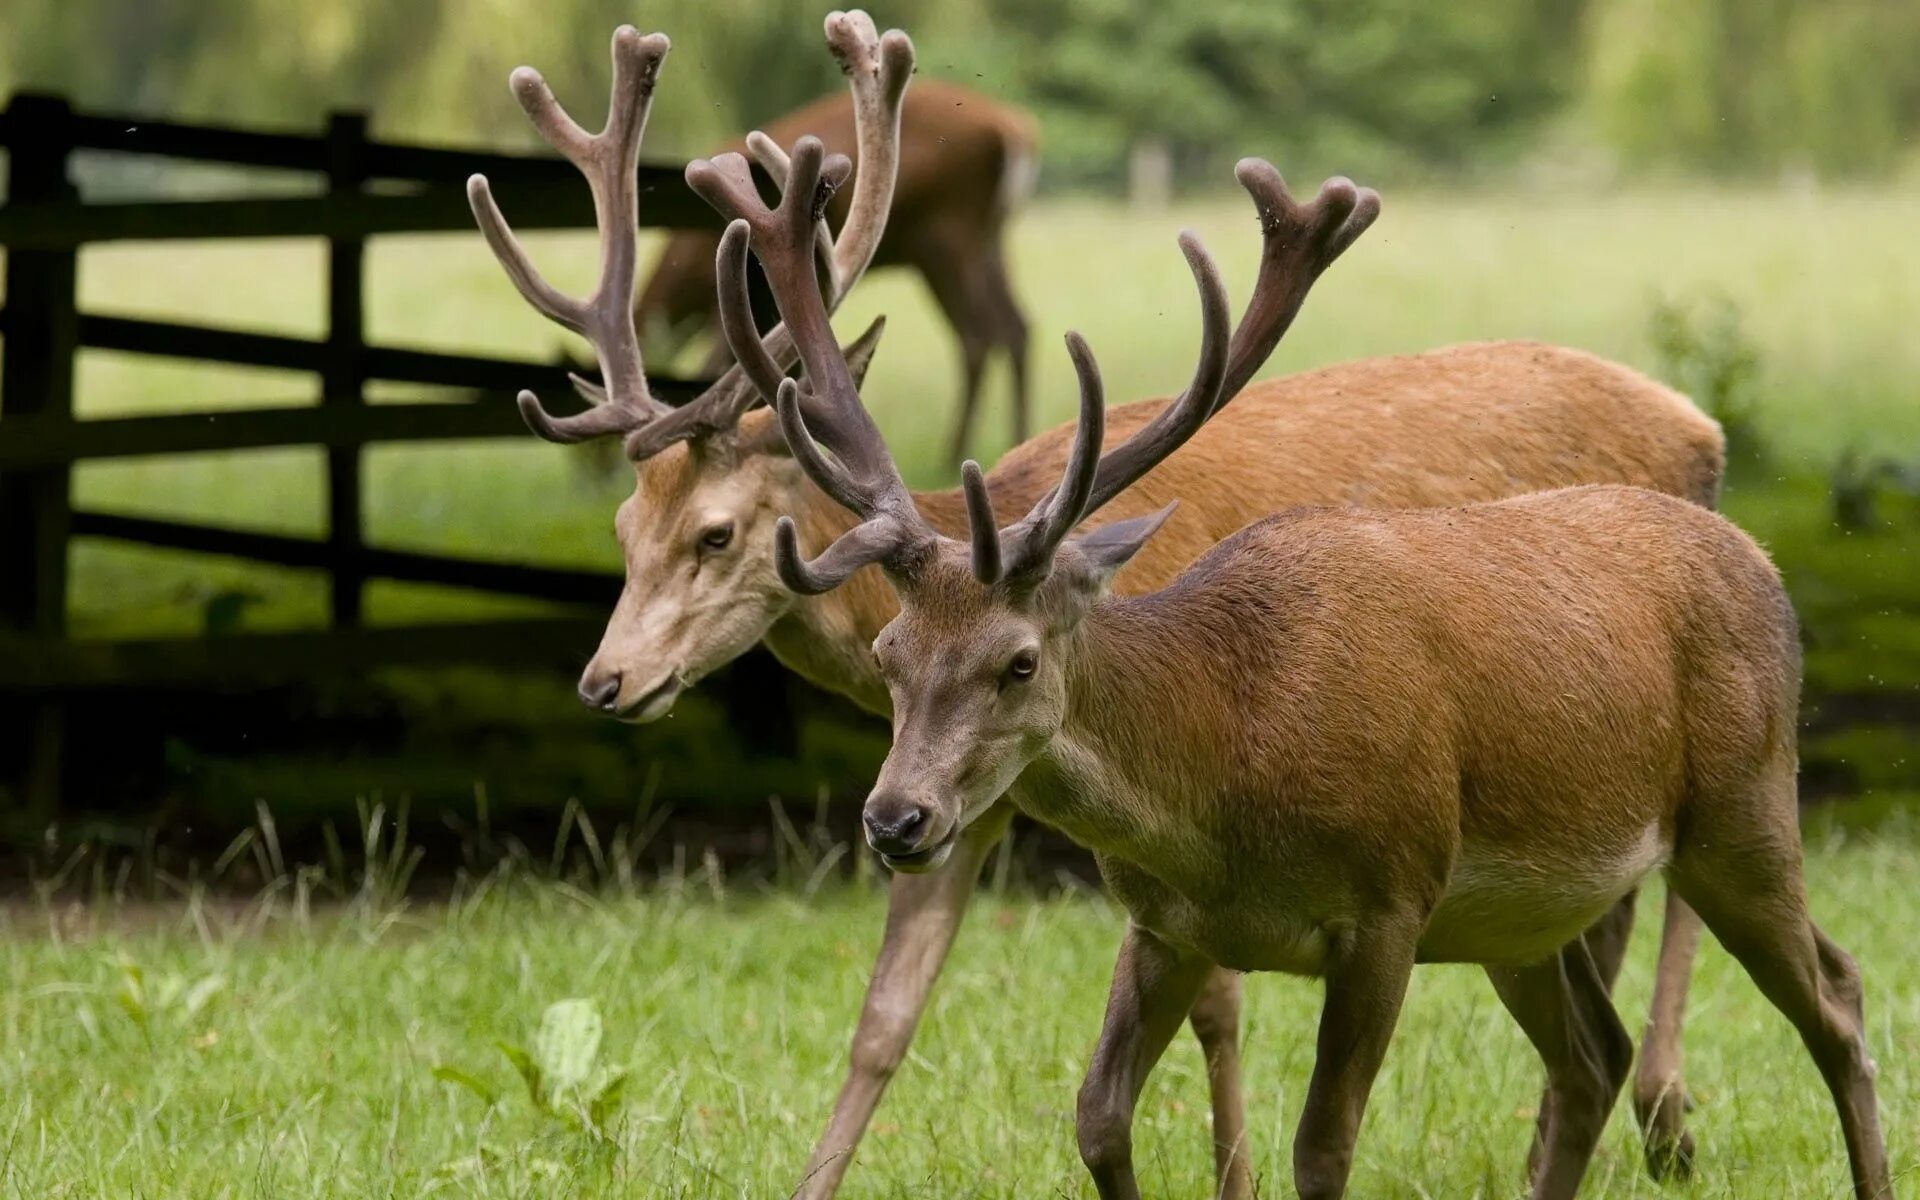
(308, 1068)
(1825, 295)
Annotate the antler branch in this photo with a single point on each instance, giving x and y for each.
(1298, 242)
(610, 161)
(1028, 545)
(878, 68)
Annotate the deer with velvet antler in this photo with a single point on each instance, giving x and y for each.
(1341, 743)
(1465, 423)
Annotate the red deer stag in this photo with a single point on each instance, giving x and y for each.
(1465, 423)
(965, 163)
(1340, 743)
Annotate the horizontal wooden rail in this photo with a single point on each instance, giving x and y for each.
(598, 588)
(170, 339)
(57, 225)
(37, 441)
(39, 665)
(308, 152)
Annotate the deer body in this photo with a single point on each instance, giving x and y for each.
(1344, 740)
(966, 162)
(1502, 708)
(1478, 421)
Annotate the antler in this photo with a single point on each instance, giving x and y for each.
(1298, 242)
(1026, 547)
(877, 69)
(610, 161)
(861, 474)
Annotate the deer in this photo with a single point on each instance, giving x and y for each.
(1460, 424)
(1341, 743)
(965, 165)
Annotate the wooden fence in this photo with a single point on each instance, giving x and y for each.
(371, 188)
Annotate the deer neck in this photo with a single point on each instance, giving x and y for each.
(1128, 774)
(828, 639)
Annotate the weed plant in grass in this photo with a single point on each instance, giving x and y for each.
(270, 1054)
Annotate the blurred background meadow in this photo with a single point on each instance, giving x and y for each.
(1719, 192)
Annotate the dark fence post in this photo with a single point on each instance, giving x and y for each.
(345, 376)
(36, 512)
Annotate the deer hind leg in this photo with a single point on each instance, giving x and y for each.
(923, 915)
(1154, 987)
(1562, 1006)
(1746, 885)
(1606, 943)
(1216, 1023)
(950, 262)
(1010, 331)
(1660, 1100)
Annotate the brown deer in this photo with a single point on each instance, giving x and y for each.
(965, 163)
(1466, 423)
(1342, 742)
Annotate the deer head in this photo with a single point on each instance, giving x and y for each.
(709, 476)
(976, 662)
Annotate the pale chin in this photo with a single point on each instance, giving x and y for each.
(919, 865)
(658, 705)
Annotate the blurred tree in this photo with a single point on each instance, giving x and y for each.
(1364, 82)
(1759, 86)
(216, 58)
(1385, 87)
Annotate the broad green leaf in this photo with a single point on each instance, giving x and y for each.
(529, 1073)
(567, 1044)
(447, 1073)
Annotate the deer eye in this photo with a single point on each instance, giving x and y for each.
(717, 537)
(1021, 669)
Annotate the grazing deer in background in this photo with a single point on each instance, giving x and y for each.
(965, 164)
(1465, 423)
(1341, 743)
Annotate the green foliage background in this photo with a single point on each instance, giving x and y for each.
(1385, 87)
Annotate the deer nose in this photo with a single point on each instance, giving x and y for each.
(600, 692)
(894, 827)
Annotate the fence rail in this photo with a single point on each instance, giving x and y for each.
(363, 188)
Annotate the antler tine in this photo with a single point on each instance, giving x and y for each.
(983, 530)
(774, 161)
(878, 68)
(889, 533)
(1298, 242)
(1034, 538)
(782, 238)
(609, 160)
(1093, 478)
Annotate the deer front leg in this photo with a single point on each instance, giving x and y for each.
(1367, 972)
(1154, 988)
(923, 914)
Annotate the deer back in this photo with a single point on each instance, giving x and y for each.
(1479, 421)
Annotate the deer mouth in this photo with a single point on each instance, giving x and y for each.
(925, 859)
(654, 704)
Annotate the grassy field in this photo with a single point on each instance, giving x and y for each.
(213, 1051)
(1823, 291)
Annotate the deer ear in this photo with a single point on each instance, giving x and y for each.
(1110, 547)
(859, 355)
